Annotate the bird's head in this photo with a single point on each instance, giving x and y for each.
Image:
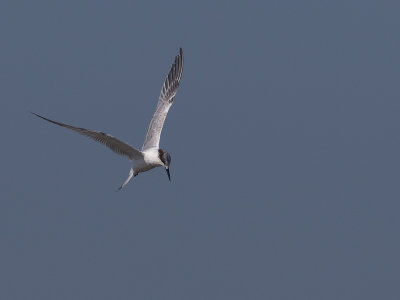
(166, 160)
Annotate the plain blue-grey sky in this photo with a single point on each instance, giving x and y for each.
(284, 137)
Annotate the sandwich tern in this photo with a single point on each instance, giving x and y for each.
(151, 155)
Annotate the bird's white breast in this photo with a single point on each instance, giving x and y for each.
(150, 160)
(151, 157)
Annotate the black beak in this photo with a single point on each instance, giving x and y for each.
(169, 177)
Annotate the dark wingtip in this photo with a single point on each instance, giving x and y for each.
(39, 116)
(181, 53)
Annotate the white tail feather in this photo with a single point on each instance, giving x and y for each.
(127, 180)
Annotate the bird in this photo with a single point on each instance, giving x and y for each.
(151, 155)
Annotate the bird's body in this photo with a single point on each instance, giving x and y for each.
(150, 161)
(151, 156)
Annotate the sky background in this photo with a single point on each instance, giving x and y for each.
(284, 137)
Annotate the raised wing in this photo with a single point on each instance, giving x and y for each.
(108, 140)
(165, 101)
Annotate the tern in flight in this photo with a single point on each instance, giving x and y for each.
(151, 155)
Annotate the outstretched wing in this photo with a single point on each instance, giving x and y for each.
(108, 140)
(165, 101)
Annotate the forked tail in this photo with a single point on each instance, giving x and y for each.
(127, 180)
